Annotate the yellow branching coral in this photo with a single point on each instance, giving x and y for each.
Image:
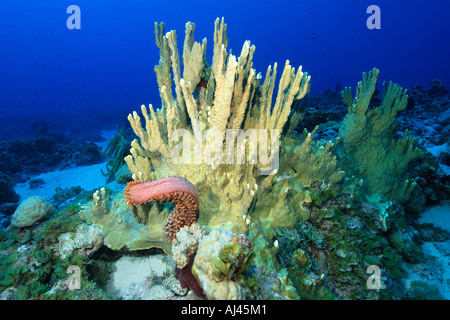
(312, 161)
(230, 132)
(218, 125)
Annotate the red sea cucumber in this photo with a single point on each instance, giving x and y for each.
(178, 191)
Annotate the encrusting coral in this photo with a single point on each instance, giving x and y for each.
(85, 240)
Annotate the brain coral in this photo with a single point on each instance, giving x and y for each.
(30, 211)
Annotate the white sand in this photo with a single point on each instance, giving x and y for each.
(133, 270)
(435, 270)
(87, 177)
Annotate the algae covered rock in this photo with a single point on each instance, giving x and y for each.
(403, 241)
(30, 211)
(420, 290)
(221, 257)
(86, 239)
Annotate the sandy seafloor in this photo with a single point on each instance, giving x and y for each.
(131, 272)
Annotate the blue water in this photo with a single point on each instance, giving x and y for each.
(51, 73)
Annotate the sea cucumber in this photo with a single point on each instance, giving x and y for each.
(178, 191)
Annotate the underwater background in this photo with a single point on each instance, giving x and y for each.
(382, 180)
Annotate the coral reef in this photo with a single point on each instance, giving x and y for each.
(227, 112)
(293, 204)
(7, 193)
(22, 158)
(142, 229)
(233, 99)
(437, 88)
(8, 199)
(250, 194)
(30, 263)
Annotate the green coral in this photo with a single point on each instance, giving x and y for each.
(368, 148)
(63, 221)
(62, 195)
